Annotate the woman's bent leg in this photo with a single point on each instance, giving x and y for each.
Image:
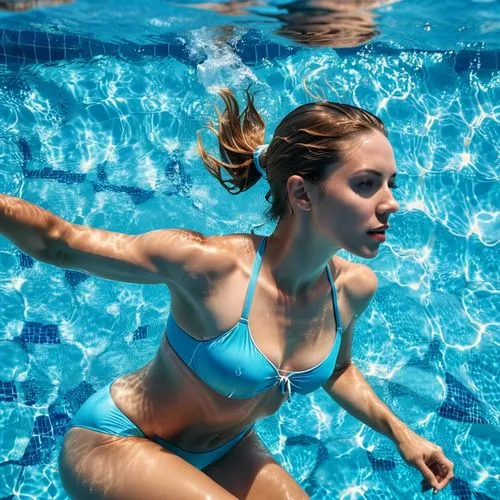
(99, 466)
(249, 472)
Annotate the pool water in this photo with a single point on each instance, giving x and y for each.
(98, 123)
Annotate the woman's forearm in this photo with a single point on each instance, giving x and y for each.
(30, 227)
(353, 393)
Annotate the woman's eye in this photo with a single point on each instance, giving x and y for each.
(366, 184)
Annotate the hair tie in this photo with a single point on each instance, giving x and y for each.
(256, 159)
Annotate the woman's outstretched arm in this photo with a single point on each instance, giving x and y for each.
(162, 256)
(351, 391)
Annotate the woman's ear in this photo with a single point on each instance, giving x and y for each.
(298, 193)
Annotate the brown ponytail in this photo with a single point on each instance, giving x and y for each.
(239, 135)
(308, 141)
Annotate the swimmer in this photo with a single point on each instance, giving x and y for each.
(254, 320)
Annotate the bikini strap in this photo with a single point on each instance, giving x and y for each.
(253, 279)
(338, 320)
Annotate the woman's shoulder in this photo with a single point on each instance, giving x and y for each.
(358, 281)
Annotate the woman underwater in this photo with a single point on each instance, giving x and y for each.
(181, 427)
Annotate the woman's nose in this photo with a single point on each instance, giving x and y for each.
(389, 204)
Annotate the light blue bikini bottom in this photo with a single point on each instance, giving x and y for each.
(100, 413)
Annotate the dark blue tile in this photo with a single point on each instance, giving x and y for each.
(138, 195)
(179, 52)
(310, 483)
(39, 449)
(74, 278)
(148, 50)
(42, 53)
(37, 333)
(11, 49)
(33, 392)
(129, 49)
(141, 332)
(96, 48)
(56, 40)
(460, 404)
(272, 51)
(59, 421)
(85, 51)
(261, 51)
(380, 464)
(77, 396)
(29, 52)
(461, 489)
(72, 42)
(111, 49)
(8, 391)
(12, 36)
(41, 39)
(25, 261)
(162, 50)
(463, 61)
(57, 53)
(72, 54)
(27, 37)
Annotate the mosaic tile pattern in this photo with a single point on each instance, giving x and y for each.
(138, 195)
(38, 333)
(74, 398)
(8, 392)
(310, 485)
(460, 404)
(24, 47)
(25, 261)
(141, 333)
(74, 278)
(380, 464)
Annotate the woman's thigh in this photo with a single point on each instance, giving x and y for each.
(249, 472)
(99, 466)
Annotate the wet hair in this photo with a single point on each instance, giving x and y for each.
(308, 141)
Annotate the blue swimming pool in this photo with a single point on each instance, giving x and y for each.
(99, 108)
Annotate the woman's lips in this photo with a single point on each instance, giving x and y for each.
(380, 237)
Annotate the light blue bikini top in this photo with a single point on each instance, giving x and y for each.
(234, 366)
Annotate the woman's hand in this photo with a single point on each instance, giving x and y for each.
(428, 458)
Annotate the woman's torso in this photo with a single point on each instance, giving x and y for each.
(167, 399)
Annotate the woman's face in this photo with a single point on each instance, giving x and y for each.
(358, 197)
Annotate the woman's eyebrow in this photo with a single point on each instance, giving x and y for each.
(372, 171)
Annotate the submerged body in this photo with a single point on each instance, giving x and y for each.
(179, 398)
(247, 327)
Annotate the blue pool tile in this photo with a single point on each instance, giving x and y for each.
(29, 52)
(27, 37)
(41, 39)
(33, 392)
(39, 449)
(162, 49)
(37, 333)
(25, 261)
(96, 48)
(461, 489)
(8, 391)
(50, 174)
(72, 42)
(460, 404)
(56, 40)
(59, 421)
(42, 53)
(74, 278)
(310, 484)
(56, 53)
(141, 332)
(380, 464)
(77, 396)
(111, 49)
